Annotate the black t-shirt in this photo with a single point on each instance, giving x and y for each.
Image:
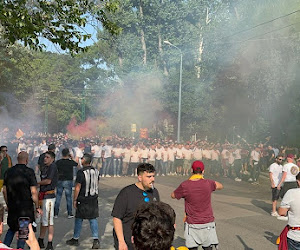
(65, 169)
(87, 200)
(49, 172)
(126, 204)
(18, 181)
(88, 177)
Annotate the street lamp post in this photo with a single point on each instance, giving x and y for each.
(179, 98)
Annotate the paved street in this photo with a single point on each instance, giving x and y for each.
(241, 211)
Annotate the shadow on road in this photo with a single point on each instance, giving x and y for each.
(262, 204)
(271, 237)
(243, 243)
(178, 241)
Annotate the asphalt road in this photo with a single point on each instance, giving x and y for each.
(242, 214)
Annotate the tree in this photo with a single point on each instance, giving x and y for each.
(60, 22)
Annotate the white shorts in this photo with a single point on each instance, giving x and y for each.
(48, 212)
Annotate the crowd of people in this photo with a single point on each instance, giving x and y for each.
(117, 156)
(75, 166)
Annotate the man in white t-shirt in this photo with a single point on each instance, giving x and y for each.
(275, 174)
(290, 171)
(290, 203)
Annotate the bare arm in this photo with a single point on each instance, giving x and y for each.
(4, 194)
(173, 195)
(219, 186)
(271, 179)
(282, 211)
(282, 179)
(118, 226)
(45, 182)
(76, 192)
(34, 195)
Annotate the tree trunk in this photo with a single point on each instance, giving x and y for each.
(144, 47)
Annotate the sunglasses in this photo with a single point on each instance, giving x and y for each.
(146, 198)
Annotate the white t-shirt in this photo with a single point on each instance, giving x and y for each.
(237, 154)
(107, 151)
(179, 153)
(255, 155)
(151, 154)
(97, 151)
(117, 152)
(291, 171)
(36, 152)
(159, 153)
(144, 153)
(197, 154)
(127, 154)
(135, 156)
(165, 155)
(187, 154)
(171, 154)
(276, 171)
(291, 200)
(206, 154)
(215, 155)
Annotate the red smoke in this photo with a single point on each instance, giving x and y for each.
(89, 128)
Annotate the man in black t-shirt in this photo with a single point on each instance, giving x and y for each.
(20, 192)
(127, 203)
(41, 163)
(47, 196)
(86, 201)
(65, 181)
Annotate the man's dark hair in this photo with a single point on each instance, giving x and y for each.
(298, 176)
(87, 158)
(145, 167)
(51, 147)
(65, 152)
(153, 226)
(52, 154)
(3, 146)
(197, 171)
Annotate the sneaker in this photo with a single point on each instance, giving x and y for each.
(102, 175)
(255, 183)
(70, 216)
(237, 179)
(107, 175)
(55, 216)
(118, 176)
(41, 243)
(72, 242)
(96, 244)
(275, 214)
(115, 175)
(162, 175)
(250, 179)
(284, 218)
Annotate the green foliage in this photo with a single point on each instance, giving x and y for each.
(60, 22)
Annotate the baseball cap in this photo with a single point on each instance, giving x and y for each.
(198, 165)
(290, 156)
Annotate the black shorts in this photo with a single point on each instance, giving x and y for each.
(275, 194)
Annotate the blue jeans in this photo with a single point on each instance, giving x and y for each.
(293, 245)
(106, 165)
(9, 237)
(117, 166)
(93, 226)
(61, 186)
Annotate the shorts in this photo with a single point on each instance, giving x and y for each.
(187, 164)
(48, 212)
(178, 163)
(200, 234)
(275, 194)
